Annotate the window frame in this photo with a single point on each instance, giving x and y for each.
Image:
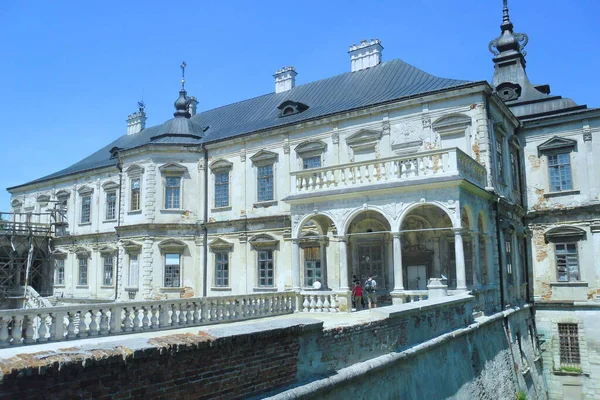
(59, 264)
(105, 258)
(173, 171)
(261, 160)
(135, 194)
(172, 247)
(82, 262)
(569, 342)
(557, 146)
(566, 255)
(221, 279)
(556, 170)
(110, 205)
(172, 194)
(261, 244)
(166, 271)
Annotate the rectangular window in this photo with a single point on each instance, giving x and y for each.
(514, 170)
(222, 189)
(265, 183)
(312, 266)
(111, 205)
(265, 268)
(569, 345)
(132, 279)
(311, 162)
(172, 270)
(222, 269)
(135, 194)
(508, 252)
(86, 206)
(499, 163)
(83, 272)
(172, 192)
(60, 272)
(108, 271)
(559, 168)
(567, 262)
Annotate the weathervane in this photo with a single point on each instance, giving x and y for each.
(183, 65)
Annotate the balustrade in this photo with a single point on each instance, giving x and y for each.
(391, 169)
(319, 302)
(38, 325)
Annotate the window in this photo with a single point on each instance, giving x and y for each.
(132, 278)
(111, 205)
(569, 345)
(59, 278)
(135, 195)
(172, 270)
(222, 269)
(514, 171)
(172, 192)
(222, 189)
(83, 272)
(312, 266)
(265, 183)
(265, 268)
(108, 271)
(559, 170)
(567, 262)
(499, 163)
(311, 162)
(86, 205)
(508, 253)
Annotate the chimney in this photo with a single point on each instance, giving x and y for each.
(365, 55)
(285, 79)
(193, 105)
(137, 121)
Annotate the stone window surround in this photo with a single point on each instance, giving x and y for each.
(173, 170)
(132, 248)
(260, 159)
(82, 253)
(220, 246)
(110, 187)
(134, 172)
(514, 146)
(59, 255)
(218, 167)
(85, 191)
(310, 241)
(500, 137)
(364, 140)
(310, 148)
(563, 235)
(559, 145)
(173, 246)
(265, 242)
(555, 350)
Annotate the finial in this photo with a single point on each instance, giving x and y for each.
(183, 65)
(505, 17)
(508, 40)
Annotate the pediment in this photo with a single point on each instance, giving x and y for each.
(264, 156)
(263, 241)
(134, 170)
(172, 168)
(16, 203)
(43, 198)
(564, 234)
(220, 244)
(131, 247)
(63, 194)
(110, 185)
(85, 190)
(107, 250)
(453, 123)
(221, 164)
(58, 254)
(172, 245)
(315, 146)
(363, 137)
(557, 143)
(82, 252)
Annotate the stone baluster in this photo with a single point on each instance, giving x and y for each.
(28, 320)
(305, 304)
(196, 313)
(104, 321)
(326, 304)
(319, 305)
(93, 324)
(334, 305)
(203, 311)
(154, 312)
(172, 308)
(4, 338)
(81, 328)
(116, 320)
(138, 314)
(313, 303)
(230, 309)
(17, 330)
(57, 327)
(189, 315)
(182, 313)
(127, 322)
(43, 329)
(212, 310)
(71, 327)
(145, 318)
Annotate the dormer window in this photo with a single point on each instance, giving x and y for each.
(289, 107)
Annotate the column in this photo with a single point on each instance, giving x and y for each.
(344, 264)
(323, 248)
(398, 278)
(595, 228)
(461, 278)
(295, 265)
(476, 259)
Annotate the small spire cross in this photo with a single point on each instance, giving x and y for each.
(183, 65)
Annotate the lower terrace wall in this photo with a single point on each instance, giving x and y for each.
(430, 349)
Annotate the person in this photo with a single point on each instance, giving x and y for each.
(370, 286)
(357, 294)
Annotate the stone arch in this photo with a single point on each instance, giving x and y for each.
(356, 212)
(436, 204)
(467, 218)
(320, 218)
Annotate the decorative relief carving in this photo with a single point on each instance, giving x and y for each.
(201, 164)
(587, 133)
(286, 146)
(407, 137)
(243, 155)
(335, 136)
(386, 128)
(426, 121)
(393, 210)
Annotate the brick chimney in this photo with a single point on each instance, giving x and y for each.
(136, 121)
(365, 55)
(285, 79)
(193, 105)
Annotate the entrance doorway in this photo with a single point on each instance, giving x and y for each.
(417, 277)
(370, 262)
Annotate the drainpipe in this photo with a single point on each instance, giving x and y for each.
(500, 269)
(120, 167)
(526, 245)
(203, 226)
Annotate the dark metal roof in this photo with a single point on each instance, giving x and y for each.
(391, 80)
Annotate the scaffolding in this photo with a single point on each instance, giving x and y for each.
(26, 253)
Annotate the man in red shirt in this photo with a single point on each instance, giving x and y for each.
(357, 293)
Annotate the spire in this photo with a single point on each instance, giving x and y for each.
(508, 42)
(182, 104)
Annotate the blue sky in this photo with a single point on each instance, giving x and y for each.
(72, 71)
